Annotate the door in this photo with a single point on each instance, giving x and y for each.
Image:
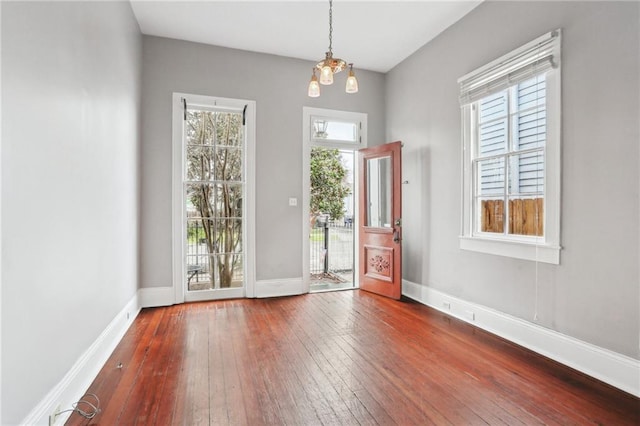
(380, 224)
(211, 190)
(330, 208)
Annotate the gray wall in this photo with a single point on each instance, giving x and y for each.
(70, 131)
(279, 87)
(593, 295)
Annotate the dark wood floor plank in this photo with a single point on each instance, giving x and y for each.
(308, 409)
(196, 368)
(292, 353)
(344, 389)
(250, 402)
(458, 372)
(219, 388)
(461, 387)
(112, 374)
(130, 372)
(337, 366)
(341, 358)
(335, 406)
(332, 388)
(395, 400)
(170, 395)
(235, 388)
(257, 350)
(529, 380)
(391, 364)
(142, 402)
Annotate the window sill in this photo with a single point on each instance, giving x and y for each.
(510, 248)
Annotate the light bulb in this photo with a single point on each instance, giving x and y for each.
(352, 82)
(326, 75)
(314, 87)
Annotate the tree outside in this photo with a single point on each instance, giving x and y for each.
(214, 195)
(328, 183)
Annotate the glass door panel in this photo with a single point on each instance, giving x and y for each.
(213, 190)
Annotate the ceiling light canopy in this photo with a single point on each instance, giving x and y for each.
(329, 66)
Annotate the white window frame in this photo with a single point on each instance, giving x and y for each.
(312, 114)
(308, 115)
(178, 203)
(492, 78)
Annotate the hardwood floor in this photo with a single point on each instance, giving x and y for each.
(341, 358)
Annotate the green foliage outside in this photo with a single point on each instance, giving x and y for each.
(328, 186)
(195, 234)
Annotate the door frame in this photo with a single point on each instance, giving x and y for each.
(307, 114)
(178, 220)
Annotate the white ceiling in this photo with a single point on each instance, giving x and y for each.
(374, 35)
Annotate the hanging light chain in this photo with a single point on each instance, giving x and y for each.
(330, 25)
(329, 66)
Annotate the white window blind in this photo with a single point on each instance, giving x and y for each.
(511, 124)
(531, 59)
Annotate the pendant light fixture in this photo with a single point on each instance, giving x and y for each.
(329, 66)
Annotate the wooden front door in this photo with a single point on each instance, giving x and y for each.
(380, 224)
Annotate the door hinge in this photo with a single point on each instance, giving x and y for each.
(184, 109)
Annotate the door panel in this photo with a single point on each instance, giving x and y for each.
(380, 224)
(214, 160)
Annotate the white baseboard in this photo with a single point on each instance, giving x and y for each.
(276, 288)
(151, 297)
(610, 367)
(78, 379)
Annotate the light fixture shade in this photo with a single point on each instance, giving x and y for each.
(352, 82)
(326, 75)
(314, 87)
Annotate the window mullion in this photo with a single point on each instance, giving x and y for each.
(507, 164)
(475, 140)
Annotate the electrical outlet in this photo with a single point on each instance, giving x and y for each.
(446, 305)
(470, 315)
(53, 417)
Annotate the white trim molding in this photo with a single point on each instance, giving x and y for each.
(1, 256)
(280, 287)
(516, 249)
(80, 376)
(610, 367)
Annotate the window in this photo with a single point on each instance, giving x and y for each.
(326, 129)
(511, 153)
(341, 128)
(213, 177)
